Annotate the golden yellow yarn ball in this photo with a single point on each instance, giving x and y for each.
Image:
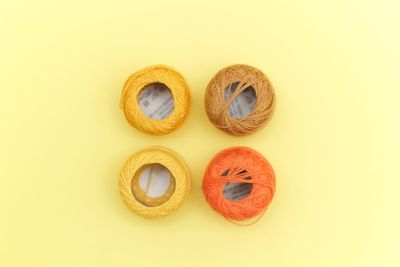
(163, 82)
(140, 190)
(239, 99)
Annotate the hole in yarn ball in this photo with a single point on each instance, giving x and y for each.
(244, 103)
(153, 185)
(236, 191)
(156, 101)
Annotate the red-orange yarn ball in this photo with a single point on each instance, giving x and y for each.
(243, 172)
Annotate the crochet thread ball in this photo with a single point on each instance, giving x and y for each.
(239, 183)
(137, 200)
(238, 78)
(167, 77)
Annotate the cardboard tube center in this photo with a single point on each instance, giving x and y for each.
(153, 185)
(236, 191)
(244, 103)
(156, 101)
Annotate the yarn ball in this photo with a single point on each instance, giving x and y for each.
(174, 196)
(244, 173)
(239, 78)
(158, 74)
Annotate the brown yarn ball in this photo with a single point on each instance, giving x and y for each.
(239, 78)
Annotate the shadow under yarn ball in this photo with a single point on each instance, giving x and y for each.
(239, 99)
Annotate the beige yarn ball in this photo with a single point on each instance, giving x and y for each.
(172, 199)
(239, 78)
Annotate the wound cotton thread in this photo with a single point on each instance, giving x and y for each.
(238, 78)
(137, 200)
(157, 74)
(246, 175)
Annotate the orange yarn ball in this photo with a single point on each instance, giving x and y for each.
(235, 168)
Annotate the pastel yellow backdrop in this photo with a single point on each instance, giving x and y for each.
(333, 139)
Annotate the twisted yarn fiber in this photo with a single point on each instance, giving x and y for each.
(156, 74)
(243, 165)
(169, 160)
(217, 107)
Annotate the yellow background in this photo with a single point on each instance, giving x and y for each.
(333, 141)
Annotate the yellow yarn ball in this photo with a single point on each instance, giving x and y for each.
(176, 194)
(152, 75)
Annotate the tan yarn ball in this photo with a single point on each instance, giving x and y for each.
(217, 107)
